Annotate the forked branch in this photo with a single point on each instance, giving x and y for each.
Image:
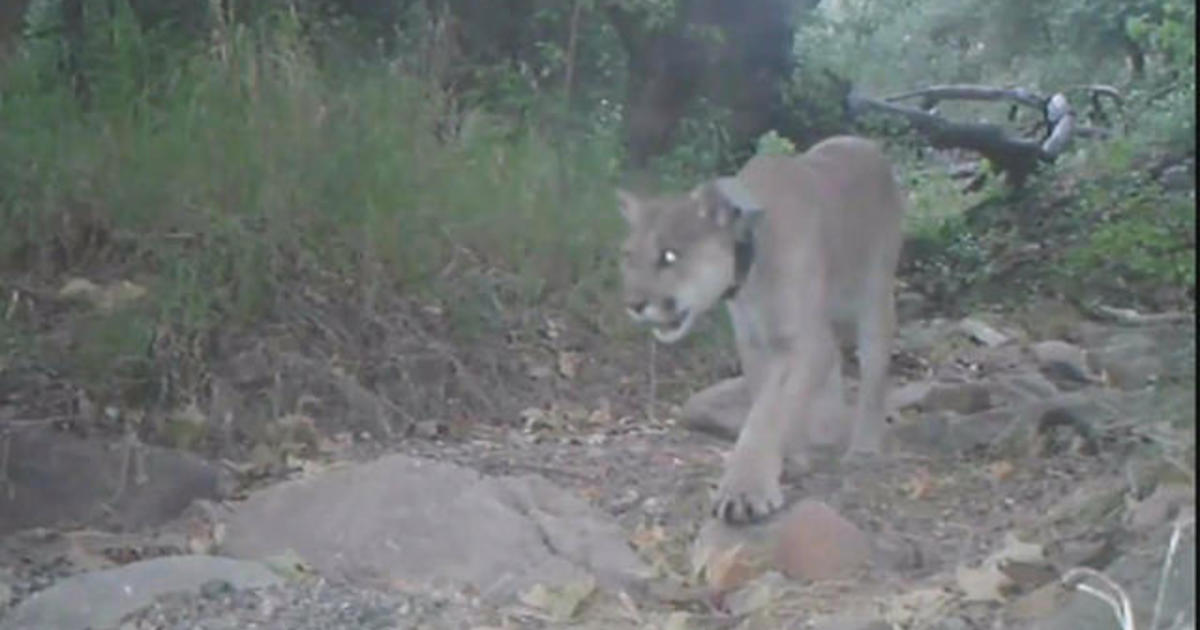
(1012, 154)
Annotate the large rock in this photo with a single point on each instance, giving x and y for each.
(1064, 363)
(962, 398)
(1130, 359)
(62, 480)
(98, 600)
(1139, 574)
(404, 520)
(810, 541)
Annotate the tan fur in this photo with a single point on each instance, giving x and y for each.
(827, 239)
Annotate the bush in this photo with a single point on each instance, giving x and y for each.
(220, 180)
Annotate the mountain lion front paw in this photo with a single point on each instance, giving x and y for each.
(747, 494)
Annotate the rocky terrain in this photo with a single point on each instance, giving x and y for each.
(1035, 461)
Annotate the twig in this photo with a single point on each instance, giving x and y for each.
(25, 423)
(1116, 599)
(653, 381)
(131, 457)
(572, 37)
(1180, 523)
(6, 484)
(1130, 317)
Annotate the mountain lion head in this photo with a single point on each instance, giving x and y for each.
(681, 255)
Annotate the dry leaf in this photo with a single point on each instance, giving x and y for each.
(755, 596)
(288, 565)
(568, 363)
(645, 537)
(1001, 470)
(984, 584)
(105, 298)
(1016, 550)
(535, 419)
(79, 288)
(677, 620)
(727, 569)
(561, 603)
(914, 607)
(920, 485)
(629, 607)
(538, 371)
(989, 582)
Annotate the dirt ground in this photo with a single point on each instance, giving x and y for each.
(564, 402)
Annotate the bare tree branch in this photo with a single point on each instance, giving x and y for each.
(932, 95)
(1012, 154)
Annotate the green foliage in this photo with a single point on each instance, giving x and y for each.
(249, 165)
(1134, 235)
(698, 150)
(771, 143)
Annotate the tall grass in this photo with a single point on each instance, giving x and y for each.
(221, 173)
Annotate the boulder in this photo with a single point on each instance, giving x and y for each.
(406, 520)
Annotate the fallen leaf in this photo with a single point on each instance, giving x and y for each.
(1016, 550)
(912, 608)
(79, 288)
(1001, 470)
(568, 363)
(561, 603)
(983, 584)
(983, 333)
(1157, 508)
(677, 620)
(989, 582)
(105, 298)
(121, 293)
(535, 419)
(629, 607)
(540, 372)
(755, 596)
(727, 569)
(288, 565)
(920, 485)
(646, 537)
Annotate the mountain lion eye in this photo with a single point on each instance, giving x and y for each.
(667, 258)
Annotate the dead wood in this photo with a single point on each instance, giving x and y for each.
(1012, 154)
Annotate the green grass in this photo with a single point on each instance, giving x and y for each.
(247, 166)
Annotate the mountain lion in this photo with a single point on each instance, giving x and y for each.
(803, 250)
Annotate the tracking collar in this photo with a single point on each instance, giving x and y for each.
(743, 259)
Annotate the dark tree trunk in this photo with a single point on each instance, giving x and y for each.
(73, 34)
(12, 21)
(736, 53)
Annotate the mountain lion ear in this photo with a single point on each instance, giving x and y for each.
(727, 202)
(631, 206)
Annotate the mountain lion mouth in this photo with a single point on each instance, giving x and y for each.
(675, 329)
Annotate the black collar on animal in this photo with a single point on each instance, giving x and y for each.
(743, 259)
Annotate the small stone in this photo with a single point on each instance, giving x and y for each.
(852, 622)
(1179, 178)
(910, 305)
(214, 589)
(1038, 603)
(427, 429)
(1063, 363)
(908, 395)
(983, 333)
(100, 599)
(963, 398)
(1021, 388)
(816, 543)
(1129, 360)
(1166, 501)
